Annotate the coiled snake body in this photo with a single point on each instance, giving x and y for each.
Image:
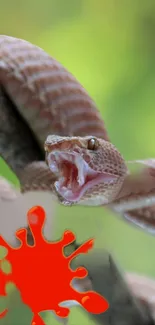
(49, 109)
(42, 106)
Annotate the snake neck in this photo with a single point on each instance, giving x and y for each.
(20, 149)
(36, 176)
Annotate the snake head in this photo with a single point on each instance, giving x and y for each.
(89, 171)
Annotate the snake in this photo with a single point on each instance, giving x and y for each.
(54, 139)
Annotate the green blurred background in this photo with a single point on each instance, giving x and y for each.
(109, 45)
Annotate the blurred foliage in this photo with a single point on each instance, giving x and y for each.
(110, 47)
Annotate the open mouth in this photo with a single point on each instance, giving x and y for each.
(75, 176)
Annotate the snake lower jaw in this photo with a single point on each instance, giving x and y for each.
(75, 177)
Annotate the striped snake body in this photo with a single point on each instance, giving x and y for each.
(43, 107)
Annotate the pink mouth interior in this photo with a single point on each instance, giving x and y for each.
(75, 176)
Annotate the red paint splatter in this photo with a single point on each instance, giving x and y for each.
(42, 272)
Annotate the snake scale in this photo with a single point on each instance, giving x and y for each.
(45, 114)
(50, 110)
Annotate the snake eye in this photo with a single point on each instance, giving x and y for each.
(92, 144)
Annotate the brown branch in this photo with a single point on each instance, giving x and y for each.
(131, 297)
